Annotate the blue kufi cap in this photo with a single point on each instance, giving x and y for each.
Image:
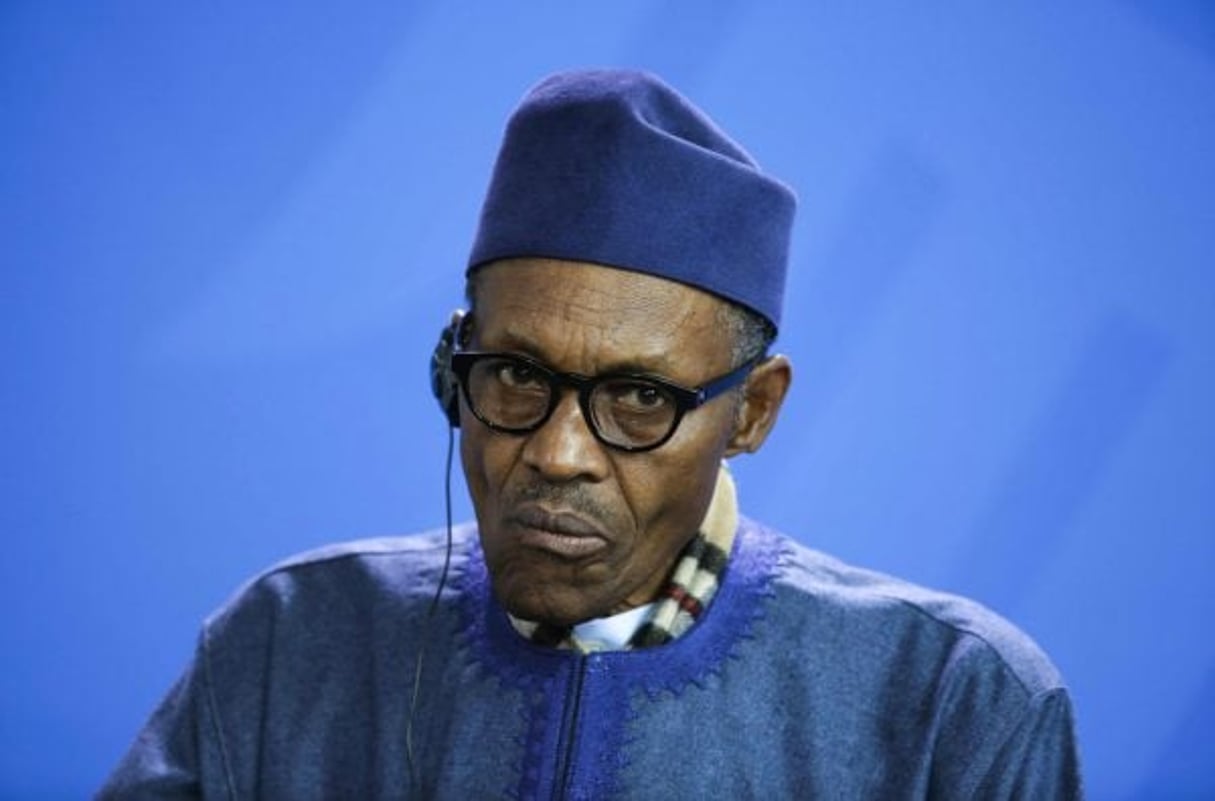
(617, 168)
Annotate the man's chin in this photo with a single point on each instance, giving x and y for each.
(554, 605)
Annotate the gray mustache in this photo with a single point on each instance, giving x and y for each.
(572, 497)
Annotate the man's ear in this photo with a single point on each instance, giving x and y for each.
(763, 395)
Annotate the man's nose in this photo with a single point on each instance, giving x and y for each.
(565, 448)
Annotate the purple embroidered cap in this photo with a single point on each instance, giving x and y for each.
(617, 168)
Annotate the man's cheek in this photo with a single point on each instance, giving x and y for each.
(487, 461)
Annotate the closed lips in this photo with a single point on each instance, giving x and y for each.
(561, 533)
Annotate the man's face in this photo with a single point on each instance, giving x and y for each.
(571, 528)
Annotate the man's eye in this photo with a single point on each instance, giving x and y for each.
(517, 374)
(639, 397)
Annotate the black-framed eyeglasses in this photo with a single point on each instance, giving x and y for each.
(628, 411)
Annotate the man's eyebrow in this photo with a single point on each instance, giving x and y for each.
(657, 364)
(509, 341)
(635, 367)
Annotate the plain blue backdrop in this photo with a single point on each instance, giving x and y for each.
(229, 234)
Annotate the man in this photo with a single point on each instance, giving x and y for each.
(611, 627)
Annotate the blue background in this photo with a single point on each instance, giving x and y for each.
(230, 234)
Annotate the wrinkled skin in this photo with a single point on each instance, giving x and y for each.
(572, 529)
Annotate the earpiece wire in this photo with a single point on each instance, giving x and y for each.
(431, 611)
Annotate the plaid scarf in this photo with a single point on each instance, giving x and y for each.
(688, 591)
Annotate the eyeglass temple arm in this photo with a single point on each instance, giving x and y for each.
(728, 381)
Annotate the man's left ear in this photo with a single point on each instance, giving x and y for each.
(764, 393)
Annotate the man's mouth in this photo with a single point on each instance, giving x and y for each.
(563, 534)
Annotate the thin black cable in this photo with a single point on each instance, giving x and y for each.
(431, 611)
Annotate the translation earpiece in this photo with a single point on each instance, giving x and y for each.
(443, 382)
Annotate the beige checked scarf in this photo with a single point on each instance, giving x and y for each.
(688, 591)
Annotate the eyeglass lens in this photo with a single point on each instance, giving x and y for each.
(513, 394)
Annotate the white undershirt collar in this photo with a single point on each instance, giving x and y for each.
(611, 633)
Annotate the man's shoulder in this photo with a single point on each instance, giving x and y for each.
(418, 548)
(869, 603)
(352, 574)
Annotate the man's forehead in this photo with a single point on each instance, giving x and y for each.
(624, 316)
(563, 288)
